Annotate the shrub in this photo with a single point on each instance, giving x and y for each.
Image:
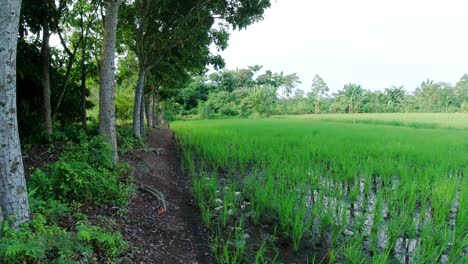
(85, 173)
(126, 140)
(38, 242)
(53, 210)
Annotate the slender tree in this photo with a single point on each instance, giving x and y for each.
(45, 50)
(13, 195)
(319, 89)
(107, 75)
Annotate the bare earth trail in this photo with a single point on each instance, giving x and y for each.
(177, 235)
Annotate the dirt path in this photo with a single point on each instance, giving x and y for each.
(175, 236)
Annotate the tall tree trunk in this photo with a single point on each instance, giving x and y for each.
(149, 120)
(153, 110)
(107, 76)
(317, 106)
(13, 195)
(156, 106)
(142, 116)
(65, 82)
(46, 75)
(138, 102)
(83, 81)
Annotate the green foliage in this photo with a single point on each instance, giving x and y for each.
(39, 241)
(231, 249)
(126, 140)
(84, 173)
(259, 102)
(124, 104)
(245, 93)
(53, 210)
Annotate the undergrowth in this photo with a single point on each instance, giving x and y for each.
(59, 232)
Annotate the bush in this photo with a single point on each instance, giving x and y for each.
(53, 210)
(85, 173)
(464, 106)
(126, 140)
(124, 104)
(38, 242)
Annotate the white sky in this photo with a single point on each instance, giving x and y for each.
(374, 43)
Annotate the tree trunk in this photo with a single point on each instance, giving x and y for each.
(83, 81)
(142, 116)
(149, 119)
(107, 76)
(46, 76)
(13, 195)
(317, 106)
(153, 111)
(138, 102)
(65, 81)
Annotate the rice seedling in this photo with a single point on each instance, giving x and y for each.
(232, 249)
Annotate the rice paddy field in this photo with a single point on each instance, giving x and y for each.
(378, 188)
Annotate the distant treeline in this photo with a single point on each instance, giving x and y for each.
(246, 92)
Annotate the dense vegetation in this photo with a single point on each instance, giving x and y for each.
(366, 188)
(247, 92)
(61, 91)
(59, 231)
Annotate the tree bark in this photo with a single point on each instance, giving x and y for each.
(83, 74)
(153, 110)
(65, 82)
(47, 112)
(155, 107)
(83, 83)
(13, 195)
(317, 106)
(138, 102)
(107, 76)
(149, 120)
(142, 116)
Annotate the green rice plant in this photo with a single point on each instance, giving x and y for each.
(260, 198)
(260, 254)
(332, 255)
(433, 244)
(197, 187)
(206, 214)
(299, 225)
(352, 252)
(443, 195)
(460, 232)
(286, 205)
(230, 249)
(457, 248)
(229, 205)
(381, 258)
(260, 257)
(205, 188)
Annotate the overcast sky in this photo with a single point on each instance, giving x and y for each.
(374, 43)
